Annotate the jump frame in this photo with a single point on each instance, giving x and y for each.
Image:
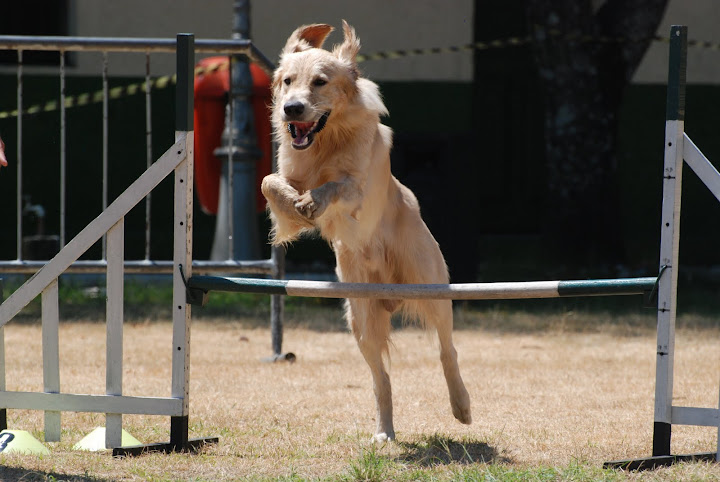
(661, 290)
(177, 160)
(193, 290)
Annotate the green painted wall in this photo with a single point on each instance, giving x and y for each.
(477, 172)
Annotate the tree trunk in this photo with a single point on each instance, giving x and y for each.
(584, 71)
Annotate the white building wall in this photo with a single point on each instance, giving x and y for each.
(702, 18)
(381, 25)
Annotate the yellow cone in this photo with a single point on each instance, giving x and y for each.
(95, 440)
(20, 441)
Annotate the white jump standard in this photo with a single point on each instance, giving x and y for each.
(177, 160)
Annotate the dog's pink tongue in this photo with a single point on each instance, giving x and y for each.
(302, 129)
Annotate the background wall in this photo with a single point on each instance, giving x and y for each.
(381, 25)
(426, 24)
(701, 17)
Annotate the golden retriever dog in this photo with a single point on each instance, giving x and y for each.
(334, 177)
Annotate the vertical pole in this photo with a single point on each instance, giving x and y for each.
(51, 356)
(229, 205)
(3, 411)
(19, 154)
(63, 159)
(717, 450)
(242, 236)
(670, 240)
(182, 254)
(245, 235)
(105, 135)
(277, 302)
(114, 328)
(148, 151)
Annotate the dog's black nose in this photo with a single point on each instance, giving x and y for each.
(294, 108)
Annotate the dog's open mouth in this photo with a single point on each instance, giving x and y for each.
(303, 133)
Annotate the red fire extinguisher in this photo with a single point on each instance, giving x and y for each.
(211, 89)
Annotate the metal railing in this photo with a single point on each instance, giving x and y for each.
(275, 266)
(144, 46)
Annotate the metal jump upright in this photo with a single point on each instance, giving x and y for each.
(679, 149)
(178, 159)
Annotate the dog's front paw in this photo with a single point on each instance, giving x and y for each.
(308, 206)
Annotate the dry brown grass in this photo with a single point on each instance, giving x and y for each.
(559, 397)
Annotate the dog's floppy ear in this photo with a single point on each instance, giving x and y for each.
(350, 47)
(307, 37)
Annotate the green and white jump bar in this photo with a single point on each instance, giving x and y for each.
(459, 291)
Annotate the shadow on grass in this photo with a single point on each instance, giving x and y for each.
(438, 450)
(15, 473)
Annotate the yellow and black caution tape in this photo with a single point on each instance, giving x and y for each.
(113, 93)
(520, 41)
(493, 44)
(164, 81)
(92, 98)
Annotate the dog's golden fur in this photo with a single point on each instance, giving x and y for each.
(334, 176)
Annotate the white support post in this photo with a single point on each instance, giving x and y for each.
(183, 220)
(51, 356)
(670, 240)
(717, 450)
(182, 250)
(114, 321)
(667, 288)
(3, 411)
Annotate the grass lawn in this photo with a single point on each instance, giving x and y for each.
(556, 389)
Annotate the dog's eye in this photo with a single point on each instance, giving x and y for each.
(287, 80)
(319, 82)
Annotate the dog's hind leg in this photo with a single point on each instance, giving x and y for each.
(443, 323)
(370, 324)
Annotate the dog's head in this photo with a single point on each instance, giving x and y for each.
(311, 85)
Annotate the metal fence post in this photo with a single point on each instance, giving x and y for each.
(3, 411)
(236, 233)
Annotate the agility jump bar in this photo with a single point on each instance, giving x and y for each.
(458, 291)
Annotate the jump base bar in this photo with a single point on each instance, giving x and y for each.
(200, 286)
(651, 463)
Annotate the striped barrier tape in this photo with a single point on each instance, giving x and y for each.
(113, 93)
(164, 81)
